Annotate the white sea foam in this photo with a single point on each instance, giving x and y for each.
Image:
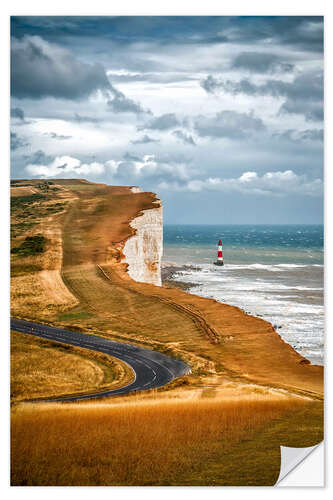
(290, 266)
(306, 288)
(283, 299)
(266, 267)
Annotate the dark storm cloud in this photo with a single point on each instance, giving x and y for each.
(302, 32)
(38, 158)
(17, 113)
(145, 140)
(82, 118)
(229, 124)
(258, 62)
(124, 29)
(292, 135)
(162, 122)
(17, 142)
(40, 69)
(160, 61)
(304, 86)
(312, 135)
(312, 110)
(122, 104)
(304, 95)
(183, 137)
(211, 85)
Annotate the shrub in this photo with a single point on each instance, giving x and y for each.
(32, 245)
(24, 201)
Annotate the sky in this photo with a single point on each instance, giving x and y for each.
(222, 117)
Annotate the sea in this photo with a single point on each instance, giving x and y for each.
(275, 272)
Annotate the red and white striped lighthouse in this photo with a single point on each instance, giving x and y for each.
(219, 261)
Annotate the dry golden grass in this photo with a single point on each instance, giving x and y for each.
(161, 442)
(37, 289)
(22, 190)
(41, 368)
(40, 295)
(97, 226)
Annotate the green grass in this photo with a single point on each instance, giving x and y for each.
(68, 316)
(255, 460)
(17, 202)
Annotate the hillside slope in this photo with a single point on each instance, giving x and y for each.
(81, 282)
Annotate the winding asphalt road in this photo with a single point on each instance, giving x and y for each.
(151, 369)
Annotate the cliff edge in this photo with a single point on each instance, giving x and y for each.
(143, 251)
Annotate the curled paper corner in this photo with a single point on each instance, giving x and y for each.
(291, 458)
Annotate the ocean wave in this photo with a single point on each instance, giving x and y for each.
(290, 266)
(268, 267)
(307, 288)
(236, 267)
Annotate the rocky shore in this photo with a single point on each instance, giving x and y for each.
(169, 273)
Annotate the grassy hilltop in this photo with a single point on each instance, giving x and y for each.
(247, 387)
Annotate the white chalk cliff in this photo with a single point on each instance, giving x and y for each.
(143, 251)
(136, 189)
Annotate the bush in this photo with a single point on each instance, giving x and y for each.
(24, 201)
(32, 245)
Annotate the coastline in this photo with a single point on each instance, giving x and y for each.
(237, 361)
(168, 272)
(276, 293)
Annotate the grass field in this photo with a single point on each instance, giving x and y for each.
(249, 392)
(42, 368)
(159, 441)
(37, 289)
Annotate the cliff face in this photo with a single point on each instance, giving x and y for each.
(143, 251)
